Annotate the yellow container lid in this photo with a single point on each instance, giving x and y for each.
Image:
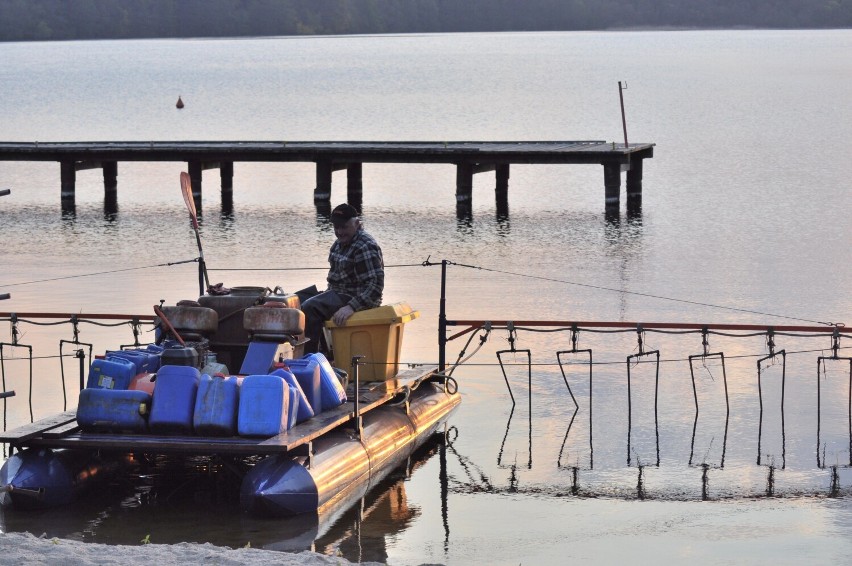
(396, 313)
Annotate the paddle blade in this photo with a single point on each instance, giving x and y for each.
(186, 188)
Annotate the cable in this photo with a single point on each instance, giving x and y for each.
(637, 293)
(311, 268)
(99, 273)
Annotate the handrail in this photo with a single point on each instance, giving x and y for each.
(95, 316)
(474, 325)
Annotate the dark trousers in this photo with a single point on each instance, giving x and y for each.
(318, 309)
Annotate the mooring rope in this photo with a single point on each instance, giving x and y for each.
(638, 293)
(169, 264)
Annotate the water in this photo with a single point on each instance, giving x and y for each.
(745, 216)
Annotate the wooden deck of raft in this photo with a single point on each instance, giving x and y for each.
(61, 430)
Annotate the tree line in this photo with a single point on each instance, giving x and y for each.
(27, 20)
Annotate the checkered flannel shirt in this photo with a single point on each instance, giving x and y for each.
(358, 270)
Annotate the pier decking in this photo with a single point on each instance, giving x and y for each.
(469, 158)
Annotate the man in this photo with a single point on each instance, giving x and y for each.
(356, 277)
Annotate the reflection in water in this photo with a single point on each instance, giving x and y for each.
(504, 227)
(706, 447)
(168, 500)
(631, 447)
(770, 455)
(575, 453)
(840, 441)
(514, 352)
(111, 206)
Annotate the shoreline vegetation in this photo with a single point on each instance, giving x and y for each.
(51, 20)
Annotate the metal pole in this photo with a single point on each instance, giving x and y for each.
(3, 193)
(442, 320)
(81, 356)
(623, 119)
(356, 361)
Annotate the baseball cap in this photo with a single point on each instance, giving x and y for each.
(342, 213)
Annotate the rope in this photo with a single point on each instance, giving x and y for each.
(394, 265)
(195, 260)
(639, 294)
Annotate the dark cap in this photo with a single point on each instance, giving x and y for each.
(343, 213)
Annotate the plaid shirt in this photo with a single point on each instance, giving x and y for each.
(358, 270)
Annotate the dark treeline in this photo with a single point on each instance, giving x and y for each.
(23, 20)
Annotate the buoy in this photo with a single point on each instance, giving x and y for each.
(179, 104)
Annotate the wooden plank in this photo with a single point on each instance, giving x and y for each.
(60, 431)
(157, 444)
(32, 430)
(561, 151)
(369, 400)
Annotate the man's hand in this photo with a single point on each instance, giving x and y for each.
(342, 315)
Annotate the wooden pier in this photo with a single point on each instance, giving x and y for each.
(469, 158)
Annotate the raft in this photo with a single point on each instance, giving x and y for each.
(308, 458)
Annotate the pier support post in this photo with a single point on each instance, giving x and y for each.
(68, 181)
(110, 170)
(464, 189)
(634, 180)
(194, 170)
(501, 191)
(612, 185)
(226, 174)
(354, 184)
(323, 188)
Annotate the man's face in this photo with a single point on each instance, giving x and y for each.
(345, 232)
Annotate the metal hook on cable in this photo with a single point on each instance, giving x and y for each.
(13, 319)
(510, 326)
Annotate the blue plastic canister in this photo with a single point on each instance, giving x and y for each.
(305, 411)
(113, 410)
(146, 359)
(264, 406)
(174, 400)
(216, 406)
(139, 359)
(333, 393)
(293, 409)
(309, 376)
(113, 373)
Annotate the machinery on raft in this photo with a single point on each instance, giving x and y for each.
(311, 435)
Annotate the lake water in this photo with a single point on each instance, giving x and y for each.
(745, 219)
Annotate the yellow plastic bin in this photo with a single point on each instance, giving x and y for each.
(375, 334)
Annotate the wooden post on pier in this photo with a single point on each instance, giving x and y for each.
(110, 170)
(464, 184)
(68, 181)
(612, 185)
(194, 168)
(322, 191)
(354, 184)
(501, 190)
(226, 174)
(634, 180)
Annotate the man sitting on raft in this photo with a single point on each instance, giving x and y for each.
(356, 277)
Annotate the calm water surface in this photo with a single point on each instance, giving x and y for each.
(745, 216)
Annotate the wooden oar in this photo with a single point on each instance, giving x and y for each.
(158, 311)
(186, 188)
